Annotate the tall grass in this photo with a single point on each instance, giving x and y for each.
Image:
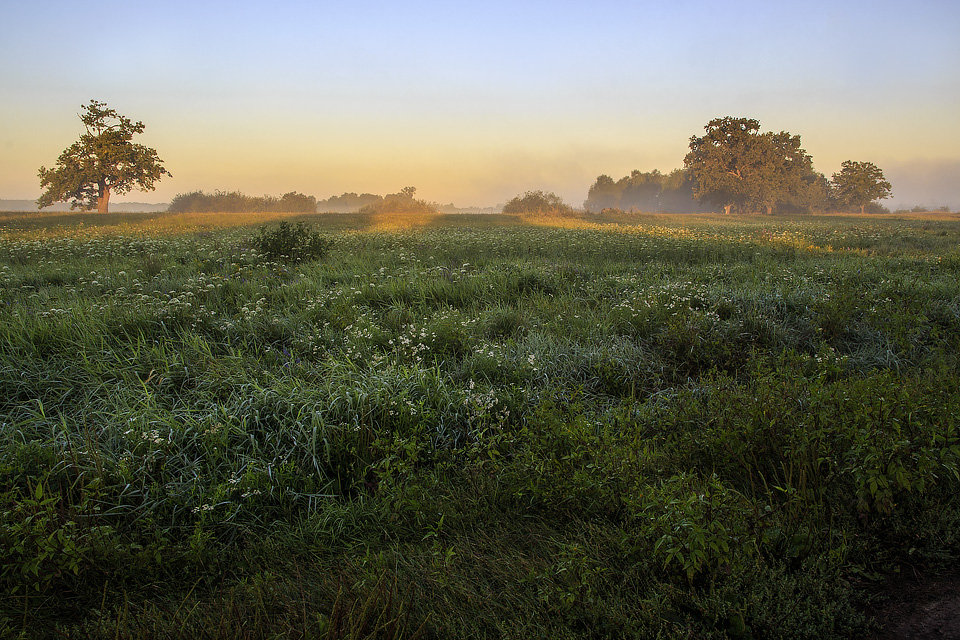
(474, 426)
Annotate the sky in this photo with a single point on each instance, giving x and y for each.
(475, 102)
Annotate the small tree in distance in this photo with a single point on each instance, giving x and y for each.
(860, 183)
(539, 202)
(101, 162)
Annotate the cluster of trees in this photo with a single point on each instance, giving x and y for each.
(735, 166)
(236, 202)
(402, 202)
(538, 202)
(645, 191)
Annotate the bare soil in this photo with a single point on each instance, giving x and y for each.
(920, 609)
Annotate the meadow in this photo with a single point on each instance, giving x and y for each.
(474, 426)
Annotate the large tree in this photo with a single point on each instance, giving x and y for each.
(860, 183)
(722, 161)
(103, 161)
(782, 171)
(734, 164)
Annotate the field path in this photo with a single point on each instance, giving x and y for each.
(922, 610)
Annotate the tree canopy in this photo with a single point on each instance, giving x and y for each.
(721, 160)
(859, 183)
(103, 161)
(735, 165)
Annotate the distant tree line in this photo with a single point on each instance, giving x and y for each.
(236, 202)
(733, 166)
(401, 202)
(922, 209)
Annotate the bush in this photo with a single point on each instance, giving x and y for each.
(701, 526)
(538, 202)
(290, 243)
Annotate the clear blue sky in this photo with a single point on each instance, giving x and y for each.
(476, 102)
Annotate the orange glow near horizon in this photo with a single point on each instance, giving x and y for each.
(328, 98)
(446, 166)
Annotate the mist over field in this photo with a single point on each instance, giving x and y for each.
(928, 183)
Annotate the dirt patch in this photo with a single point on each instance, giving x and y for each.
(920, 609)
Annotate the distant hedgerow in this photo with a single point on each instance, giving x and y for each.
(290, 243)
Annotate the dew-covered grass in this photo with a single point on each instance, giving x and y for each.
(474, 426)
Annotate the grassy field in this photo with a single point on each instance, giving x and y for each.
(474, 426)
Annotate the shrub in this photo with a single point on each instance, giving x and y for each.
(538, 202)
(290, 243)
(701, 526)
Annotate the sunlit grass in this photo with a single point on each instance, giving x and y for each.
(401, 221)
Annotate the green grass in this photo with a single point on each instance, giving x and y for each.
(475, 427)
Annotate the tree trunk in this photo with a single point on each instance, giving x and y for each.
(103, 199)
(862, 207)
(769, 209)
(726, 209)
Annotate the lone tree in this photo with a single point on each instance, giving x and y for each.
(101, 162)
(860, 183)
